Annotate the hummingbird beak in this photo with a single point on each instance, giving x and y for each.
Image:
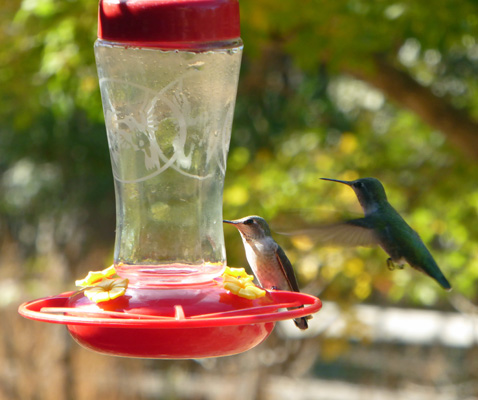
(348, 183)
(236, 223)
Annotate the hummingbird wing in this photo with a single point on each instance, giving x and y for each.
(354, 232)
(287, 269)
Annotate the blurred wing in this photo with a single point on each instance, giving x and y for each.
(287, 269)
(356, 232)
(297, 220)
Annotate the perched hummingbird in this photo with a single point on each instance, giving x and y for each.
(268, 261)
(384, 226)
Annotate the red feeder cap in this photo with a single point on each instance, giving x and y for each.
(170, 23)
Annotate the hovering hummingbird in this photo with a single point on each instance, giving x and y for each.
(384, 226)
(268, 261)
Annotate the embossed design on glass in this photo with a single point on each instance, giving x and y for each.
(168, 117)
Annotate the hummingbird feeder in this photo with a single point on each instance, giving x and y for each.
(168, 73)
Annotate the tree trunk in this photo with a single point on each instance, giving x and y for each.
(401, 88)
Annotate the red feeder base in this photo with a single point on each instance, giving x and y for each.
(172, 343)
(171, 322)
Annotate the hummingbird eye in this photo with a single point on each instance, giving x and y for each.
(358, 184)
(248, 222)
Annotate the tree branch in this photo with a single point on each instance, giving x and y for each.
(400, 87)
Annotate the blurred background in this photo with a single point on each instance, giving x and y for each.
(340, 89)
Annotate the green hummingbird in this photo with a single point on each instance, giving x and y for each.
(384, 226)
(268, 262)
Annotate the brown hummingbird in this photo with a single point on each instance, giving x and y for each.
(268, 262)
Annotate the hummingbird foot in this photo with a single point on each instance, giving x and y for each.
(390, 264)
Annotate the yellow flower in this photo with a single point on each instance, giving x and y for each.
(107, 289)
(94, 277)
(237, 281)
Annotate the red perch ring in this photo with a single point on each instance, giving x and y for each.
(171, 322)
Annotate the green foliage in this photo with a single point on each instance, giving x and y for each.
(53, 149)
(344, 31)
(431, 184)
(298, 118)
(325, 124)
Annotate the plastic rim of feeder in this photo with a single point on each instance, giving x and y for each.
(177, 335)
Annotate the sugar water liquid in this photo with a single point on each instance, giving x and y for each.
(168, 116)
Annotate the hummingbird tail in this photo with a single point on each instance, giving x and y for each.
(444, 283)
(301, 323)
(435, 273)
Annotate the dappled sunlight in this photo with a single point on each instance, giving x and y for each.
(332, 89)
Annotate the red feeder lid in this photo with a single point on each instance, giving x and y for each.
(169, 23)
